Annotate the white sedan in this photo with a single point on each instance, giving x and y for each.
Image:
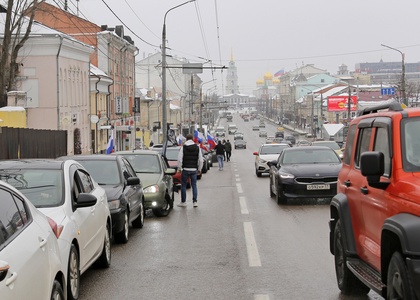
(30, 263)
(65, 192)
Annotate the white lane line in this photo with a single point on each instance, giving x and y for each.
(236, 175)
(239, 188)
(244, 208)
(238, 179)
(251, 246)
(261, 297)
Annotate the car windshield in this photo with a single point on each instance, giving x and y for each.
(274, 149)
(44, 188)
(104, 172)
(144, 163)
(309, 156)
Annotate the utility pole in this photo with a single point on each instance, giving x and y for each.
(349, 107)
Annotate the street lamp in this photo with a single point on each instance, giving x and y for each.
(164, 117)
(201, 102)
(405, 100)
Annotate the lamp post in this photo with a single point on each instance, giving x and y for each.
(405, 100)
(164, 117)
(201, 103)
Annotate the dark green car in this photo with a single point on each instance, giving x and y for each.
(156, 178)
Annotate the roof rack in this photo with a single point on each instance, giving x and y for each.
(392, 106)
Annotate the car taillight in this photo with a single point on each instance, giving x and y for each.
(57, 229)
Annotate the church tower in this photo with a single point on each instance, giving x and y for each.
(232, 78)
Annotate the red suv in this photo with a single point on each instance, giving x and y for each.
(375, 216)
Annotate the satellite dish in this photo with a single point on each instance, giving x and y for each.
(94, 119)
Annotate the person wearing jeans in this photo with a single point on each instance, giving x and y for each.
(190, 163)
(220, 153)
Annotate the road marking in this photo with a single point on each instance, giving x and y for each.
(251, 246)
(262, 297)
(238, 179)
(239, 188)
(244, 208)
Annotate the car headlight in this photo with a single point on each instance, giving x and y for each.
(284, 175)
(262, 161)
(114, 204)
(151, 189)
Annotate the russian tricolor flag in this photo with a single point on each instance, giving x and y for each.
(211, 141)
(110, 146)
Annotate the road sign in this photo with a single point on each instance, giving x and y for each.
(388, 91)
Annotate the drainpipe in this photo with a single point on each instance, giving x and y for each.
(58, 84)
(96, 111)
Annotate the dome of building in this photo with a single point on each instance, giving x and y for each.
(276, 81)
(260, 81)
(268, 76)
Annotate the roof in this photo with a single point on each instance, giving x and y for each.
(31, 164)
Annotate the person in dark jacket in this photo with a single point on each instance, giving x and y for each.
(190, 163)
(220, 153)
(228, 149)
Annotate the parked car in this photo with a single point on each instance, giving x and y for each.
(240, 144)
(30, 262)
(65, 192)
(123, 189)
(375, 217)
(255, 127)
(262, 133)
(332, 144)
(267, 152)
(304, 172)
(156, 178)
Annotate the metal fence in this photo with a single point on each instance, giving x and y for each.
(16, 143)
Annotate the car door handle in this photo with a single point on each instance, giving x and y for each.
(11, 279)
(347, 183)
(364, 190)
(42, 242)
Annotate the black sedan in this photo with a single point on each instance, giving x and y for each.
(123, 189)
(304, 172)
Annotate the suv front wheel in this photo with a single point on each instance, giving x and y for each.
(399, 285)
(347, 282)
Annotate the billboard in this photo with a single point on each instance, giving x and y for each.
(339, 103)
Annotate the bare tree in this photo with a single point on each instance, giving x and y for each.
(18, 21)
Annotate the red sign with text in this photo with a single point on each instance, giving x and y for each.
(339, 103)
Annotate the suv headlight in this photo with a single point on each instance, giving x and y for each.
(262, 161)
(151, 189)
(284, 175)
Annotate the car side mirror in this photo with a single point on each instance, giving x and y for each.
(133, 180)
(372, 165)
(255, 153)
(86, 200)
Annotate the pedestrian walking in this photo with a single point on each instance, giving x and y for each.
(220, 153)
(190, 163)
(228, 149)
(224, 154)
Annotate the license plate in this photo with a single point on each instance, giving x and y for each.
(318, 187)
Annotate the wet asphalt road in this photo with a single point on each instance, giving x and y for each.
(238, 244)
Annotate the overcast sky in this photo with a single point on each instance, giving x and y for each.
(266, 35)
